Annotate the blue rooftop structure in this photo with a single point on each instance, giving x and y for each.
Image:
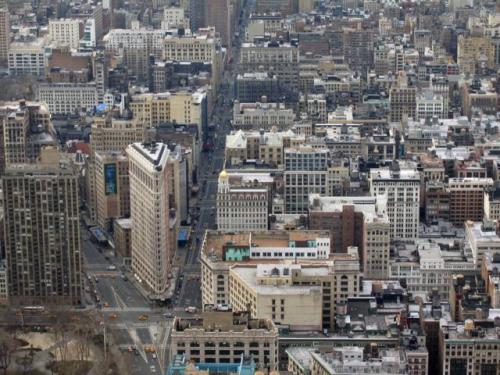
(245, 367)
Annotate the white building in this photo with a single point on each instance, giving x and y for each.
(242, 205)
(66, 32)
(68, 98)
(27, 58)
(195, 48)
(137, 39)
(174, 16)
(430, 105)
(149, 211)
(481, 237)
(432, 270)
(402, 186)
(261, 115)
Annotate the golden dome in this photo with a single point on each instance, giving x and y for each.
(223, 174)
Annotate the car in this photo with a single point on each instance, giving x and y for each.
(168, 315)
(113, 317)
(143, 317)
(154, 356)
(111, 267)
(191, 309)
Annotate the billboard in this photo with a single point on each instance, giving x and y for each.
(110, 179)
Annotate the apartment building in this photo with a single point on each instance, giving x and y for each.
(112, 187)
(428, 266)
(402, 186)
(18, 144)
(260, 24)
(261, 115)
(136, 45)
(149, 211)
(491, 277)
(481, 238)
(68, 98)
(402, 99)
(182, 107)
(142, 39)
(251, 87)
(282, 59)
(361, 222)
(222, 335)
(315, 106)
(174, 17)
(306, 172)
(470, 49)
(268, 147)
(467, 198)
(45, 266)
(429, 105)
(352, 360)
(27, 58)
(194, 48)
(66, 32)
(468, 348)
(243, 201)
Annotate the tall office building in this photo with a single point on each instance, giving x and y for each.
(402, 99)
(4, 33)
(467, 198)
(197, 14)
(66, 32)
(112, 187)
(219, 15)
(355, 221)
(42, 231)
(109, 134)
(149, 211)
(402, 186)
(306, 170)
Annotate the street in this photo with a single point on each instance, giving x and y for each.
(136, 326)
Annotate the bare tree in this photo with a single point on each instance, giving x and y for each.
(7, 348)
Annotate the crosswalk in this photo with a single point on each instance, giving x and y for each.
(127, 309)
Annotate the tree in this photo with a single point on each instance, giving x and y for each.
(7, 348)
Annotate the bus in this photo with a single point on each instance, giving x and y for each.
(33, 309)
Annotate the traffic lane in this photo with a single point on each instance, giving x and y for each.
(144, 335)
(92, 253)
(105, 292)
(192, 293)
(128, 293)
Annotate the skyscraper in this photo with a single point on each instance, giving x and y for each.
(4, 32)
(219, 15)
(149, 211)
(42, 231)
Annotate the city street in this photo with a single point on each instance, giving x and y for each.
(132, 322)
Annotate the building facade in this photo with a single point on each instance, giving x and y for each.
(402, 187)
(149, 211)
(306, 172)
(42, 239)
